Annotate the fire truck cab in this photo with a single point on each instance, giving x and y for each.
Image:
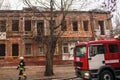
(98, 59)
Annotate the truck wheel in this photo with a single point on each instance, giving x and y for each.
(106, 75)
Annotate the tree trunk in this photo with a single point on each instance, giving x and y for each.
(49, 65)
(49, 58)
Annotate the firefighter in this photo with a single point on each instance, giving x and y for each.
(21, 68)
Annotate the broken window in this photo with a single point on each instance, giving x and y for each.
(28, 48)
(40, 27)
(15, 25)
(64, 27)
(101, 24)
(27, 25)
(15, 50)
(2, 49)
(2, 25)
(85, 24)
(75, 25)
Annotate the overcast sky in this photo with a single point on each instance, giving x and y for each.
(17, 4)
(93, 4)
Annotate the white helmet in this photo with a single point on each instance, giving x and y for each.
(21, 58)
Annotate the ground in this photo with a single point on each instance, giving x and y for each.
(36, 72)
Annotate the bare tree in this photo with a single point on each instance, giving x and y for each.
(1, 2)
(54, 7)
(112, 6)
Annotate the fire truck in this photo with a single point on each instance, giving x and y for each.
(98, 59)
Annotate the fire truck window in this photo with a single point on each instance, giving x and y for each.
(93, 50)
(113, 48)
(101, 49)
(97, 49)
(81, 51)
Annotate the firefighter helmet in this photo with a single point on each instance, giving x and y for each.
(21, 58)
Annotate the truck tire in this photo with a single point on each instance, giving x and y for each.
(106, 75)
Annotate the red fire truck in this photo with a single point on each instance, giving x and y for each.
(98, 59)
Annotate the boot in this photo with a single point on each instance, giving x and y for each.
(25, 77)
(19, 78)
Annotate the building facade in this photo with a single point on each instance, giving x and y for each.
(19, 28)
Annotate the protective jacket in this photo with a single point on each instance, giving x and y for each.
(21, 68)
(21, 65)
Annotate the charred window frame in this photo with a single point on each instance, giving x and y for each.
(64, 26)
(40, 27)
(15, 25)
(27, 25)
(85, 25)
(2, 25)
(75, 25)
(101, 24)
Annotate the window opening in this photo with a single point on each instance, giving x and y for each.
(2, 49)
(65, 47)
(15, 50)
(2, 26)
(85, 24)
(28, 49)
(75, 26)
(41, 49)
(27, 25)
(40, 28)
(101, 24)
(15, 25)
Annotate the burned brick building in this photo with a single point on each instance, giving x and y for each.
(19, 27)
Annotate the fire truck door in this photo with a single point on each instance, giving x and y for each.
(96, 56)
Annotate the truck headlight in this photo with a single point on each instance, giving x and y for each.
(87, 75)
